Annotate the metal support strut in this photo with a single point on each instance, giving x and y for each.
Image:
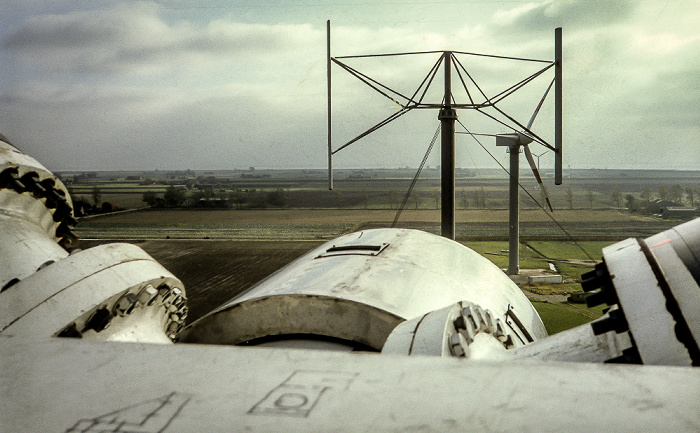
(447, 118)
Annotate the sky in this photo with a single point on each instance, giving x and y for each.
(205, 85)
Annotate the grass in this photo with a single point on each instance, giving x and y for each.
(560, 317)
(567, 257)
(568, 250)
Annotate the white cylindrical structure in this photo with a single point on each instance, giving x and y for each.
(111, 292)
(655, 285)
(36, 216)
(358, 287)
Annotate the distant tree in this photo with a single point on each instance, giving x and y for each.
(436, 197)
(416, 197)
(238, 198)
(174, 196)
(663, 192)
(589, 196)
(645, 195)
(482, 197)
(570, 197)
(616, 197)
(108, 207)
(631, 203)
(81, 205)
(690, 193)
(150, 198)
(208, 193)
(96, 195)
(276, 198)
(463, 199)
(675, 193)
(393, 198)
(197, 195)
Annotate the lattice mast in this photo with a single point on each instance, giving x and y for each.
(522, 136)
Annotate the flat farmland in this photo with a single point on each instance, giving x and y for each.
(324, 224)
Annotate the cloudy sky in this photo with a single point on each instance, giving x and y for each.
(230, 84)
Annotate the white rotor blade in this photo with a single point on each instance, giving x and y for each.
(533, 166)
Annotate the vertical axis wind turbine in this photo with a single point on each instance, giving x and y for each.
(448, 113)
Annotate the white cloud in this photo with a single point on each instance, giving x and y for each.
(246, 81)
(136, 40)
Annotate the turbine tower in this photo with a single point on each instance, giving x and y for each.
(514, 142)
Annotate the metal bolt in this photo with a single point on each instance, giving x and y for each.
(62, 210)
(125, 305)
(147, 295)
(163, 291)
(457, 344)
(9, 179)
(31, 181)
(173, 328)
(172, 297)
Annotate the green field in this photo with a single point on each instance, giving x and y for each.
(306, 224)
(559, 317)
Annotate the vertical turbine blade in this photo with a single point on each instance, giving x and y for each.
(533, 166)
(328, 78)
(557, 106)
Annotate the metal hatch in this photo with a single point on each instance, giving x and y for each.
(354, 248)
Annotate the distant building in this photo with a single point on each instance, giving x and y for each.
(657, 206)
(670, 210)
(677, 212)
(214, 202)
(189, 202)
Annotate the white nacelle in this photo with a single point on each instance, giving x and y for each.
(360, 286)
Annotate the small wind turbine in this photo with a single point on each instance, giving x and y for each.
(538, 159)
(514, 141)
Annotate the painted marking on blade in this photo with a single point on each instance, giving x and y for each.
(151, 416)
(298, 395)
(661, 243)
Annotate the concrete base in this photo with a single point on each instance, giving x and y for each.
(533, 276)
